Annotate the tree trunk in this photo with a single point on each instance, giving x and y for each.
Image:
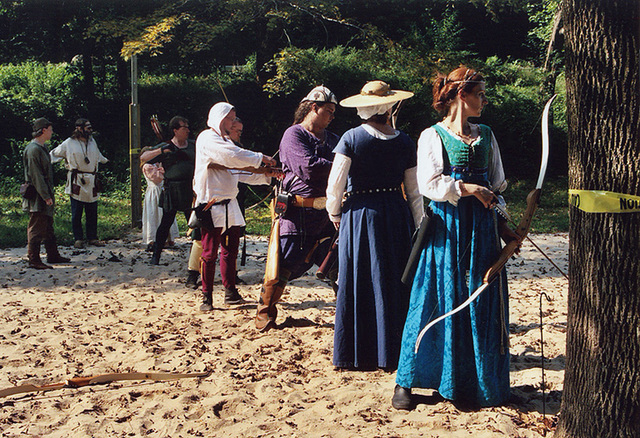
(602, 379)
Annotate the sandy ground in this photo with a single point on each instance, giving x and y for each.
(110, 311)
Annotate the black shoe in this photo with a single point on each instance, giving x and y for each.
(402, 398)
(192, 279)
(155, 260)
(231, 296)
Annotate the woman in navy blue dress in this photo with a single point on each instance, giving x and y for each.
(365, 201)
(464, 357)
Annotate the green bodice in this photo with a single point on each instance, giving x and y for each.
(460, 154)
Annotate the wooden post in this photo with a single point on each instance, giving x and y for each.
(134, 148)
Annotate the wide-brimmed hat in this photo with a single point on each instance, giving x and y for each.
(375, 93)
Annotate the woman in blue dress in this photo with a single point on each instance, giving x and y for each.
(466, 356)
(365, 202)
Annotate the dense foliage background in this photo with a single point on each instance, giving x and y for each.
(68, 58)
(64, 59)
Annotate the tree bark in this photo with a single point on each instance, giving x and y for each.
(602, 379)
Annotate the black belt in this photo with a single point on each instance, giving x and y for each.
(469, 170)
(372, 191)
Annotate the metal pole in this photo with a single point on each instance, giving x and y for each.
(134, 148)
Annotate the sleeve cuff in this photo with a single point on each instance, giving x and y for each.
(458, 187)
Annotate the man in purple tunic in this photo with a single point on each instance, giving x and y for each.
(306, 152)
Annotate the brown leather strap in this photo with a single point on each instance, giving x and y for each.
(317, 203)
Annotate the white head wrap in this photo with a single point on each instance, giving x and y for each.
(218, 112)
(366, 112)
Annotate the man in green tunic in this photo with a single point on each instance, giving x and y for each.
(39, 173)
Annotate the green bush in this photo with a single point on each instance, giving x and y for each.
(28, 91)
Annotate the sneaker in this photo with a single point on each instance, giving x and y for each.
(79, 244)
(207, 303)
(232, 297)
(96, 242)
(206, 307)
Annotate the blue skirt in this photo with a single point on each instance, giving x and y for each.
(372, 302)
(466, 356)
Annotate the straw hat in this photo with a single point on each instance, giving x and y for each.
(375, 93)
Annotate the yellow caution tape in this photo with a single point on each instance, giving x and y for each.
(598, 201)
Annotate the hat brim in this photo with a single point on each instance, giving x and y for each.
(363, 100)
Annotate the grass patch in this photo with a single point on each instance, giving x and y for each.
(552, 215)
(114, 218)
(114, 212)
(258, 221)
(257, 215)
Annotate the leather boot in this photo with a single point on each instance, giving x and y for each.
(267, 312)
(207, 274)
(33, 254)
(157, 250)
(192, 279)
(53, 256)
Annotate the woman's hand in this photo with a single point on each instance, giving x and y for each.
(483, 194)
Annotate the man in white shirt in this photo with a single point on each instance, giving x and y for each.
(82, 156)
(215, 183)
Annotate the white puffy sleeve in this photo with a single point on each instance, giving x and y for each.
(336, 186)
(432, 183)
(60, 152)
(414, 198)
(496, 171)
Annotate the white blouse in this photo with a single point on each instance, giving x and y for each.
(433, 184)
